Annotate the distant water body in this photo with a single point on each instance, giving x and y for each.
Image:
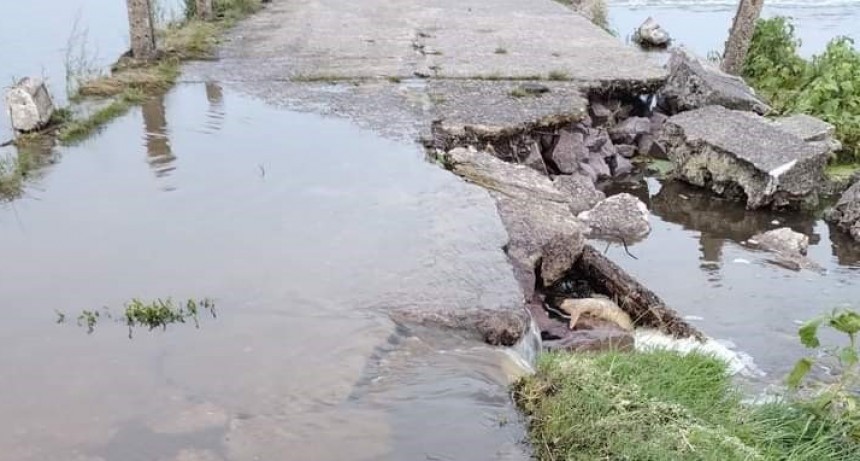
(703, 24)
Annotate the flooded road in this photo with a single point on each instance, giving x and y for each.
(305, 231)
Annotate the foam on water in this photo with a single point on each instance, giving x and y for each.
(738, 362)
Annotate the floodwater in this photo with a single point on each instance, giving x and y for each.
(703, 25)
(697, 259)
(305, 231)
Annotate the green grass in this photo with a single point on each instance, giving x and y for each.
(159, 313)
(558, 75)
(663, 406)
(841, 170)
(518, 92)
(76, 130)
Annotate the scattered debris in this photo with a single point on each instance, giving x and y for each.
(651, 35)
(694, 83)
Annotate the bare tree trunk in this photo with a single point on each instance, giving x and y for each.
(141, 28)
(741, 35)
(204, 9)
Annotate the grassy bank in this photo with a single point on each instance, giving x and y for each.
(130, 82)
(827, 87)
(665, 406)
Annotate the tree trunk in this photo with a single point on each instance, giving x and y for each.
(141, 28)
(741, 35)
(204, 10)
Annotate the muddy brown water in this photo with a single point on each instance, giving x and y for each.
(304, 231)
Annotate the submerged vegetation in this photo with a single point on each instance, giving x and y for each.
(827, 87)
(154, 314)
(664, 405)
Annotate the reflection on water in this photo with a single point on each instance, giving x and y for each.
(696, 259)
(303, 263)
(156, 138)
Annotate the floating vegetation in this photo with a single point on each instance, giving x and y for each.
(154, 314)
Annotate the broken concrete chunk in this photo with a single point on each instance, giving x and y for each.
(532, 225)
(569, 151)
(628, 131)
(694, 83)
(518, 181)
(622, 217)
(846, 213)
(810, 129)
(29, 105)
(744, 157)
(651, 35)
(581, 189)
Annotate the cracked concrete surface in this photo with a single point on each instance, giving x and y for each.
(397, 66)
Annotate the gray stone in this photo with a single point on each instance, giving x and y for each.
(596, 340)
(596, 161)
(619, 165)
(569, 151)
(649, 147)
(695, 83)
(782, 240)
(846, 213)
(625, 150)
(601, 114)
(596, 138)
(581, 190)
(788, 246)
(534, 88)
(497, 327)
(743, 156)
(621, 216)
(629, 130)
(535, 159)
(657, 121)
(29, 105)
(651, 35)
(559, 256)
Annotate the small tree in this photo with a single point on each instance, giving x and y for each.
(141, 28)
(741, 36)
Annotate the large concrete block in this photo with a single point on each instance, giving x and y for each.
(29, 105)
(743, 156)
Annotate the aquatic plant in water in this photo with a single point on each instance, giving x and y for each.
(152, 315)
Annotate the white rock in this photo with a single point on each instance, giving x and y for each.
(651, 35)
(29, 105)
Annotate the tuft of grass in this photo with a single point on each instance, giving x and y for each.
(76, 130)
(159, 313)
(558, 75)
(394, 79)
(838, 171)
(156, 78)
(662, 405)
(501, 50)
